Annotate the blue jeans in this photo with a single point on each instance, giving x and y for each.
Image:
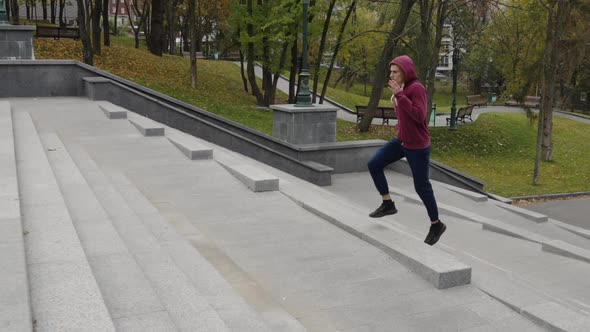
(419, 161)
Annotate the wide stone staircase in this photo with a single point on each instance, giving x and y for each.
(110, 221)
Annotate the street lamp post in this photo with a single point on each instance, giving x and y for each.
(303, 95)
(453, 125)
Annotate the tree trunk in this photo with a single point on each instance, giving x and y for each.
(62, 4)
(84, 26)
(317, 65)
(251, 74)
(14, 10)
(115, 23)
(441, 17)
(293, 72)
(351, 8)
(52, 10)
(172, 28)
(44, 4)
(558, 12)
(156, 33)
(277, 74)
(381, 71)
(105, 23)
(193, 35)
(96, 14)
(242, 72)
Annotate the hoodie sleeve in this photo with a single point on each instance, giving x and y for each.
(415, 108)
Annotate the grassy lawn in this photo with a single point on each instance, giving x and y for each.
(498, 148)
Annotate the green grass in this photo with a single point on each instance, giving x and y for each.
(498, 148)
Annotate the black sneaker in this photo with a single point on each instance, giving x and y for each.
(384, 210)
(435, 233)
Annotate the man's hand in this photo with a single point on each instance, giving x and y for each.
(394, 87)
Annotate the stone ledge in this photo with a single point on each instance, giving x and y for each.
(192, 149)
(439, 268)
(530, 215)
(146, 126)
(565, 249)
(256, 179)
(571, 228)
(465, 193)
(112, 111)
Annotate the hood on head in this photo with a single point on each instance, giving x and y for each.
(406, 64)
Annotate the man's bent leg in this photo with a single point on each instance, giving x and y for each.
(419, 161)
(388, 154)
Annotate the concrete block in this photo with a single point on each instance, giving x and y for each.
(146, 126)
(191, 148)
(530, 215)
(256, 179)
(568, 250)
(112, 111)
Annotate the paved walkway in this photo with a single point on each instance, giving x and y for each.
(574, 211)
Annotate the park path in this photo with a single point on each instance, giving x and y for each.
(347, 115)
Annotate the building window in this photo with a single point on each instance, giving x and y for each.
(446, 47)
(443, 61)
(122, 10)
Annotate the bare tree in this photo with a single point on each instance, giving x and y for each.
(350, 10)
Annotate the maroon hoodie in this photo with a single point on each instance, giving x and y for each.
(411, 109)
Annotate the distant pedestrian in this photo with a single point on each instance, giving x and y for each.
(412, 142)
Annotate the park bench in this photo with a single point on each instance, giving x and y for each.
(57, 32)
(476, 100)
(462, 114)
(529, 101)
(384, 113)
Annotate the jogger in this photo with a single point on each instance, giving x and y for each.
(412, 142)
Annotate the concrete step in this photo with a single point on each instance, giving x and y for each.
(232, 308)
(15, 307)
(146, 126)
(186, 307)
(128, 295)
(253, 177)
(506, 267)
(189, 146)
(441, 269)
(112, 111)
(64, 292)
